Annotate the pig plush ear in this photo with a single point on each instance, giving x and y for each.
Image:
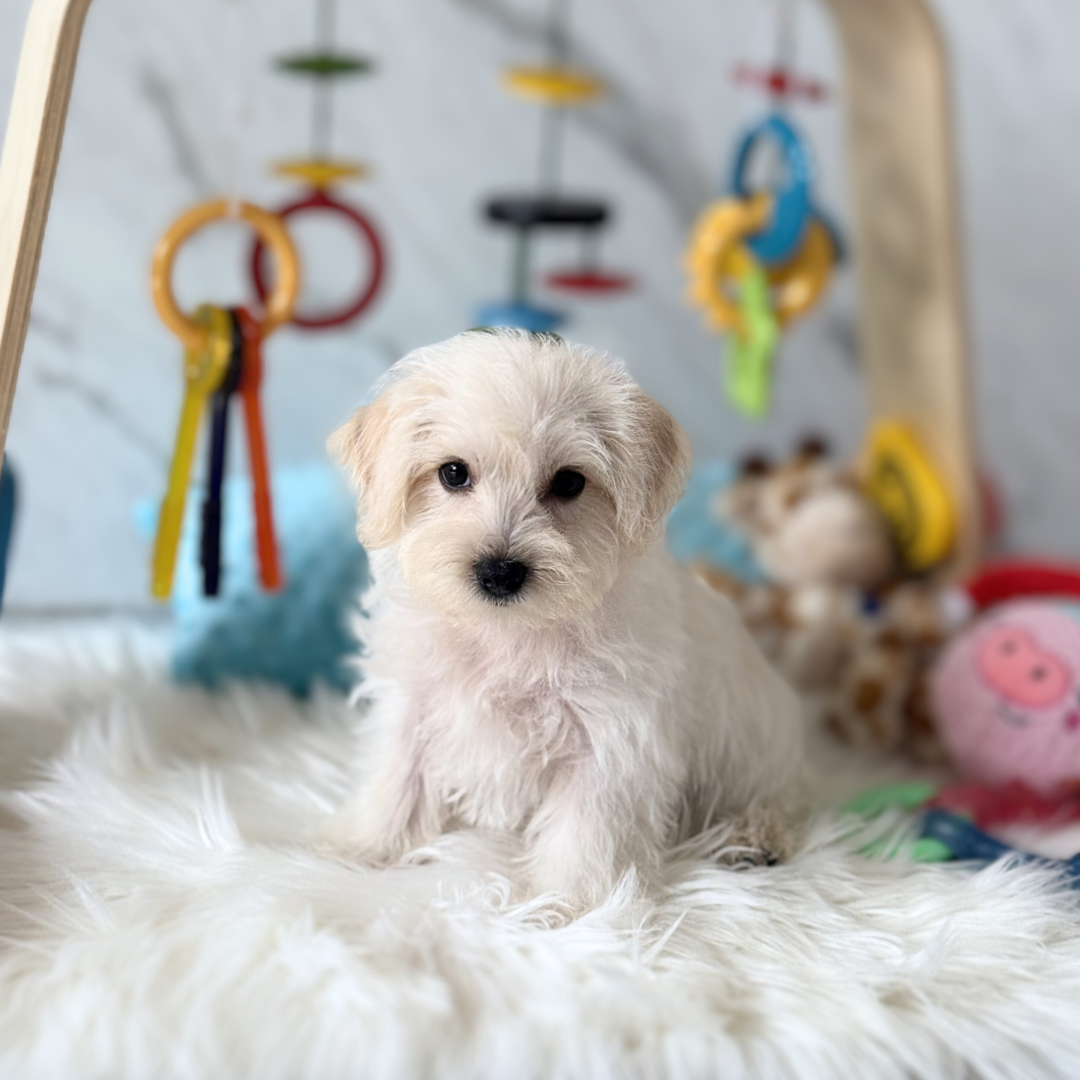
(373, 447)
(652, 474)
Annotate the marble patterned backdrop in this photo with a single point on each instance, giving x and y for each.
(175, 101)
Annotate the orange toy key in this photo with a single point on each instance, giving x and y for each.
(251, 376)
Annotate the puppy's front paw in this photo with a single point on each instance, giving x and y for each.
(577, 884)
(756, 839)
(349, 835)
(737, 856)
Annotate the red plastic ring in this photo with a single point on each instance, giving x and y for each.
(319, 200)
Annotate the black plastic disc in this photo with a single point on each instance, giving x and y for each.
(536, 211)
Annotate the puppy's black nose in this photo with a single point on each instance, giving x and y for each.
(500, 577)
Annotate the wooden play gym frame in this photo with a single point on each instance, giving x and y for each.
(913, 340)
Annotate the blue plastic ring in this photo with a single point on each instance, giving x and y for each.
(791, 207)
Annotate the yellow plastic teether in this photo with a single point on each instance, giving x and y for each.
(553, 86)
(204, 369)
(714, 243)
(715, 257)
(320, 173)
(900, 479)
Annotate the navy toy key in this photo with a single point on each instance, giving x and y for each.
(210, 547)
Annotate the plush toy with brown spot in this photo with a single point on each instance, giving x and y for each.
(833, 616)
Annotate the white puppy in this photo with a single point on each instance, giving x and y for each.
(534, 659)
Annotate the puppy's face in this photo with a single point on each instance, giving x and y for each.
(513, 474)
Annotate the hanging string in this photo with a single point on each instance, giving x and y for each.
(322, 112)
(558, 38)
(552, 134)
(785, 55)
(237, 114)
(776, 169)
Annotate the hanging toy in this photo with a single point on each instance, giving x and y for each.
(221, 357)
(556, 87)
(321, 171)
(900, 478)
(759, 259)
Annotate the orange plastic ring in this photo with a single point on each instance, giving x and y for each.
(799, 281)
(797, 284)
(271, 230)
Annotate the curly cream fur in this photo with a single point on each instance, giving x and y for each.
(616, 703)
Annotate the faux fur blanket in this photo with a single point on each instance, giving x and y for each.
(162, 917)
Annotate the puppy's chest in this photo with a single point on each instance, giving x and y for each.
(492, 751)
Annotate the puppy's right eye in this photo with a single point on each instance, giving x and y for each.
(454, 474)
(567, 484)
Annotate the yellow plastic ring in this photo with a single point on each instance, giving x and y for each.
(715, 242)
(798, 283)
(271, 230)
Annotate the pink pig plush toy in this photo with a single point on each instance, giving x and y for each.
(1006, 696)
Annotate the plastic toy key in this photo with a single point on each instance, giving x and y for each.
(250, 378)
(210, 548)
(208, 338)
(205, 367)
(749, 367)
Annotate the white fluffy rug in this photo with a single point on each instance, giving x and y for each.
(161, 918)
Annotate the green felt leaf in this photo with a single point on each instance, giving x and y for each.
(924, 850)
(750, 355)
(909, 795)
(326, 65)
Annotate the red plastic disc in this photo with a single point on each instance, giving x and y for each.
(590, 281)
(781, 83)
(320, 201)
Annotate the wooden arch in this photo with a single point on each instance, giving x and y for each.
(912, 325)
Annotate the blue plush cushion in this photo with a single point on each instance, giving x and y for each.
(8, 498)
(695, 533)
(298, 636)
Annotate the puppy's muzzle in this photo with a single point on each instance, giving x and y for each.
(500, 578)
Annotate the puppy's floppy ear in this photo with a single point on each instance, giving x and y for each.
(657, 466)
(369, 448)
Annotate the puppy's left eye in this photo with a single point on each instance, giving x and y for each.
(567, 484)
(454, 474)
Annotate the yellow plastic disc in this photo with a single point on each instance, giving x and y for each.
(900, 478)
(553, 86)
(320, 173)
(715, 251)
